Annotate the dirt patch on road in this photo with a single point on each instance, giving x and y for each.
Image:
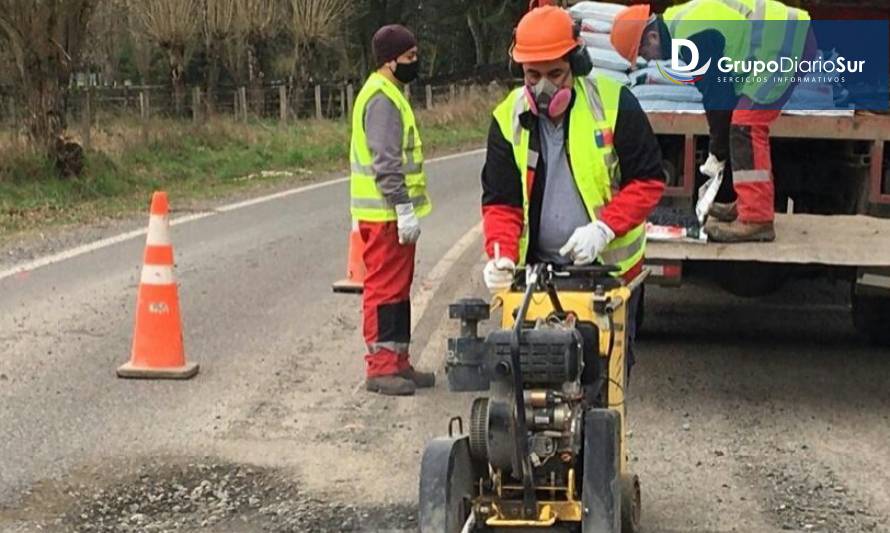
(206, 495)
(805, 495)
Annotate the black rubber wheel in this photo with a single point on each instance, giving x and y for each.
(601, 483)
(871, 316)
(749, 279)
(447, 475)
(631, 503)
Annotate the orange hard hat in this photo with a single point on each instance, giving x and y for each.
(544, 34)
(627, 31)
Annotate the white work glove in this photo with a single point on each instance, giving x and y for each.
(712, 167)
(498, 274)
(587, 242)
(408, 224)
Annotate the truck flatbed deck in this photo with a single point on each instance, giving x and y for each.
(837, 240)
(871, 128)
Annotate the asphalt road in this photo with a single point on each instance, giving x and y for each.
(746, 415)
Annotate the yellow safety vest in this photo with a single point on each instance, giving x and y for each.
(763, 36)
(367, 202)
(591, 156)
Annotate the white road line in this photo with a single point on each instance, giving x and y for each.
(123, 237)
(427, 288)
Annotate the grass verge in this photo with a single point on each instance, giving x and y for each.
(195, 163)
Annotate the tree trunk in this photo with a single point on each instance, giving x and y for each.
(255, 79)
(213, 71)
(475, 27)
(176, 54)
(45, 121)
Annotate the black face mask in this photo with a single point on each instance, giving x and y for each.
(407, 72)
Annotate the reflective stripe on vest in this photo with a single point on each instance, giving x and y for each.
(771, 23)
(591, 157)
(367, 203)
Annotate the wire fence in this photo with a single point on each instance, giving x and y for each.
(283, 103)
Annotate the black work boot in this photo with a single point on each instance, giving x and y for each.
(421, 380)
(393, 385)
(724, 212)
(739, 231)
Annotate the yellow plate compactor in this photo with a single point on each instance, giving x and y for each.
(545, 450)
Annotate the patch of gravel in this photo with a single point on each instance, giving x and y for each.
(805, 495)
(219, 497)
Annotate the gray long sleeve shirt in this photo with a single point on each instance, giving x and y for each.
(562, 210)
(383, 129)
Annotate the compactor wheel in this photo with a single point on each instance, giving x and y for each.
(446, 485)
(631, 503)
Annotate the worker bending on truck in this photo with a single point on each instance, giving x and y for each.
(739, 107)
(573, 168)
(389, 197)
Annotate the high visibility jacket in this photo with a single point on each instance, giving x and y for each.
(367, 202)
(592, 159)
(764, 30)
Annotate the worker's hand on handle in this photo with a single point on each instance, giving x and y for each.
(498, 274)
(712, 167)
(587, 242)
(408, 224)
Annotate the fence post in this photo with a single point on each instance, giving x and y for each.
(318, 113)
(350, 99)
(452, 93)
(236, 103)
(15, 121)
(196, 105)
(429, 96)
(143, 114)
(343, 102)
(282, 104)
(242, 94)
(87, 118)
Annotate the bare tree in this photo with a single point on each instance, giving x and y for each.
(220, 25)
(106, 35)
(46, 38)
(314, 25)
(174, 26)
(257, 21)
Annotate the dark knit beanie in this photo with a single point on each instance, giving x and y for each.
(390, 42)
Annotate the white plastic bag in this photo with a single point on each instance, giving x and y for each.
(670, 93)
(597, 40)
(616, 75)
(707, 193)
(668, 106)
(602, 10)
(596, 26)
(608, 59)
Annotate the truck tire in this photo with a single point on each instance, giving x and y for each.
(871, 316)
(749, 279)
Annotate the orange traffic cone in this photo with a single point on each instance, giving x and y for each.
(355, 268)
(157, 337)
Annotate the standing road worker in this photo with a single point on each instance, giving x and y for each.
(573, 168)
(389, 198)
(739, 108)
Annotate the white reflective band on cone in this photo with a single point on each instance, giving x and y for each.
(158, 230)
(157, 275)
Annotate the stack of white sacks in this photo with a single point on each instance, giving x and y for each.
(596, 25)
(652, 88)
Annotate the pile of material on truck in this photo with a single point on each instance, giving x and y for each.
(596, 20)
